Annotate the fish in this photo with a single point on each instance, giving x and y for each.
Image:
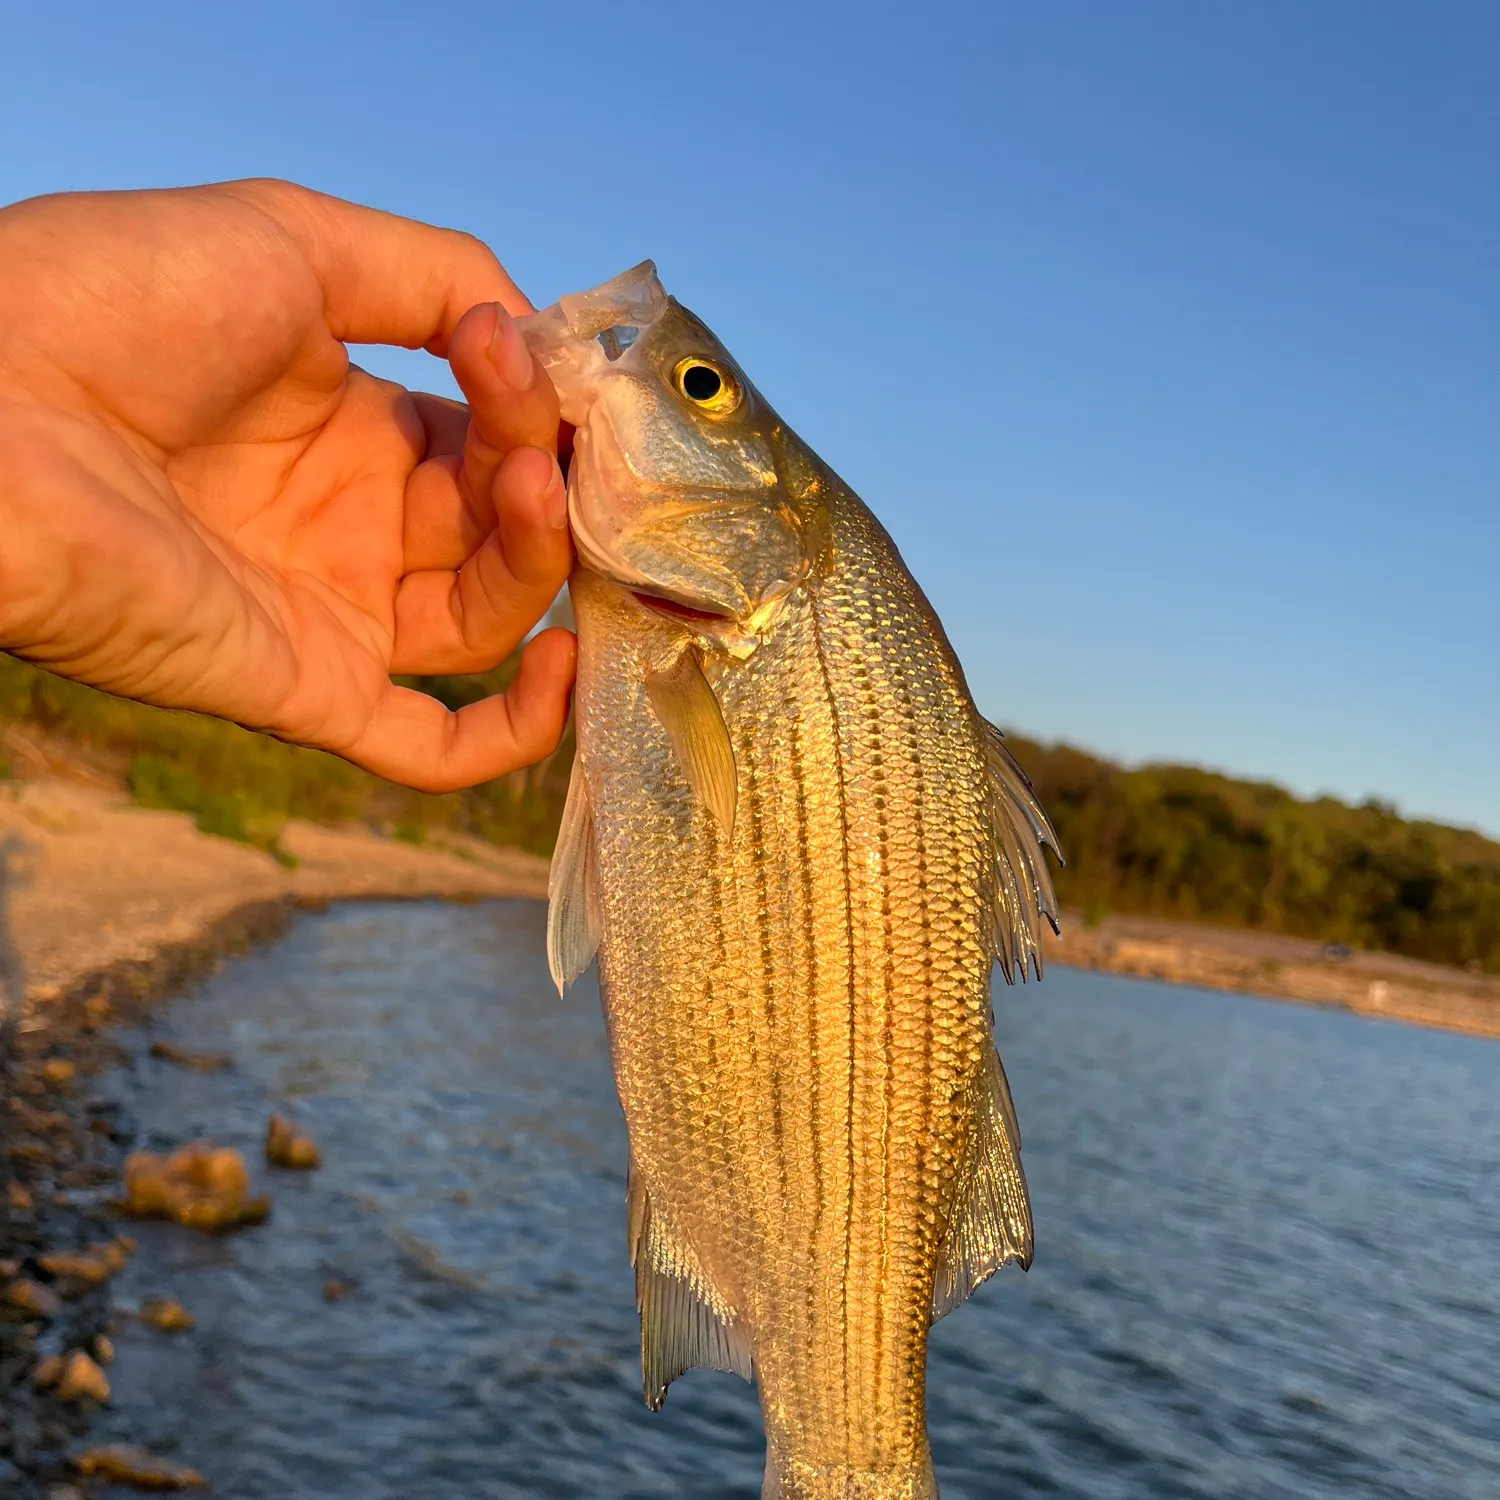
(799, 853)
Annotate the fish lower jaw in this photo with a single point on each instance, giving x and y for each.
(738, 638)
(715, 631)
(674, 609)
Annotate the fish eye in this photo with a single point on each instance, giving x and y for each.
(709, 387)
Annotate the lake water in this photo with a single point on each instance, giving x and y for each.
(1268, 1247)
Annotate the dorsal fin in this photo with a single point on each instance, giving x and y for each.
(574, 920)
(685, 1321)
(689, 712)
(1024, 893)
(993, 1223)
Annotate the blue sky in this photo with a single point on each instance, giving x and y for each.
(1164, 337)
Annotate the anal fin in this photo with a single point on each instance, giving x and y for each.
(685, 1321)
(991, 1225)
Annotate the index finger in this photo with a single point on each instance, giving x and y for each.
(385, 279)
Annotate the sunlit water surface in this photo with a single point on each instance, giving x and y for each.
(1268, 1241)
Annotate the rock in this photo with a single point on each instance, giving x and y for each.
(32, 1297)
(110, 1118)
(167, 1314)
(58, 1071)
(91, 1266)
(9, 1268)
(38, 1121)
(148, 1194)
(199, 1062)
(65, 1492)
(104, 1349)
(333, 1290)
(19, 1199)
(286, 1146)
(81, 1379)
(125, 1465)
(48, 1372)
(200, 1186)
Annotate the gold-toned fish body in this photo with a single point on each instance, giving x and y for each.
(798, 1010)
(798, 850)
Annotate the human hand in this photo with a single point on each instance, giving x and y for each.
(203, 505)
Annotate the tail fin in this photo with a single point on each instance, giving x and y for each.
(790, 1479)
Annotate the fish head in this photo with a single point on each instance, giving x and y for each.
(676, 490)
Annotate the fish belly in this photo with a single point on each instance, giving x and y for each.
(798, 1011)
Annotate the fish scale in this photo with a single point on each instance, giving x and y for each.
(787, 839)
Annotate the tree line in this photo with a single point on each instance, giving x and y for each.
(1175, 841)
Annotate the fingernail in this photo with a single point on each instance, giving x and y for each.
(557, 501)
(509, 354)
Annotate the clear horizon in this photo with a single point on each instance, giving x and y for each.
(1166, 341)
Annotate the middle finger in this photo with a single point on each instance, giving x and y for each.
(511, 401)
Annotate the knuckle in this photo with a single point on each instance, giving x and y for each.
(471, 245)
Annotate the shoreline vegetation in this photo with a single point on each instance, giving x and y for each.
(1171, 843)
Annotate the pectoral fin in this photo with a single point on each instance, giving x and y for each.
(574, 922)
(689, 712)
(685, 1321)
(992, 1225)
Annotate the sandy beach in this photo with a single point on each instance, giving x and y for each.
(95, 881)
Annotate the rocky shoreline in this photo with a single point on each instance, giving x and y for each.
(62, 1142)
(108, 908)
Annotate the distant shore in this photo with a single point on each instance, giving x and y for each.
(1283, 968)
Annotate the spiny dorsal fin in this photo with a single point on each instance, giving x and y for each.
(1024, 893)
(574, 922)
(993, 1222)
(685, 1322)
(689, 712)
